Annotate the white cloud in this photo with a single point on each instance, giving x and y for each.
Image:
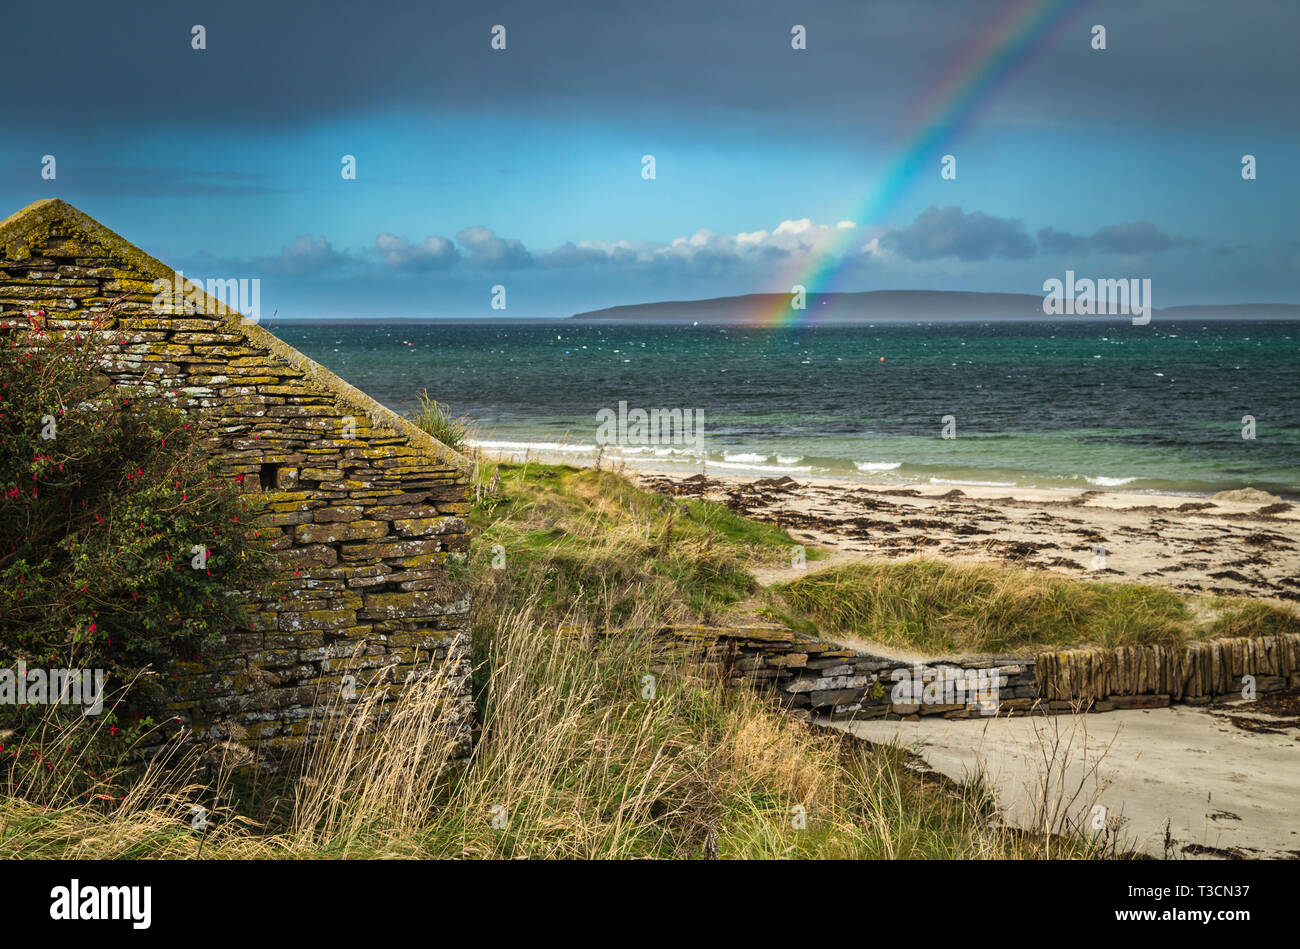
(794, 227)
(708, 249)
(432, 253)
(483, 249)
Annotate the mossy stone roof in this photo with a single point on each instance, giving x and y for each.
(17, 230)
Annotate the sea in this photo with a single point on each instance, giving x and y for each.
(1189, 407)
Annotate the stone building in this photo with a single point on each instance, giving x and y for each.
(367, 511)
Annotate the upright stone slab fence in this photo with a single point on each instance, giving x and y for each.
(365, 509)
(1147, 676)
(812, 677)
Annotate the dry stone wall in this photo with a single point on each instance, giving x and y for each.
(813, 677)
(367, 512)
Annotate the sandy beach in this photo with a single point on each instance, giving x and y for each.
(1241, 804)
(1242, 543)
(1134, 766)
(1221, 546)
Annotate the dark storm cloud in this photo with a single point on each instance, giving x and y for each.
(935, 234)
(121, 66)
(134, 181)
(1227, 250)
(1140, 237)
(950, 232)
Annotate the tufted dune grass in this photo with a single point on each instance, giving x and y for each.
(590, 543)
(575, 756)
(436, 418)
(938, 607)
(576, 759)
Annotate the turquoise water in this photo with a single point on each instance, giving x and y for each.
(1100, 404)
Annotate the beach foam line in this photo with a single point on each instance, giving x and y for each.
(877, 465)
(974, 484)
(1103, 482)
(554, 447)
(655, 449)
(773, 469)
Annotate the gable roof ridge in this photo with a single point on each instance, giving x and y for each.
(20, 224)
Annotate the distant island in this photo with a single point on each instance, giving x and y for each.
(876, 306)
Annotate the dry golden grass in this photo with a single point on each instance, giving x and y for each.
(576, 759)
(942, 608)
(577, 756)
(590, 544)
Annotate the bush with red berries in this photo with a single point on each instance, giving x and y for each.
(122, 544)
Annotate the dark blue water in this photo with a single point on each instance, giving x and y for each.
(1101, 403)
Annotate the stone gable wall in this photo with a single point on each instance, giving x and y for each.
(366, 511)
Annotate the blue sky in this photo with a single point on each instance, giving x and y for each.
(522, 167)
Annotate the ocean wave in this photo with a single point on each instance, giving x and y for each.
(554, 447)
(976, 484)
(1103, 482)
(788, 459)
(660, 451)
(772, 469)
(746, 457)
(877, 465)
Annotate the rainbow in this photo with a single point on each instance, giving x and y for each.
(989, 62)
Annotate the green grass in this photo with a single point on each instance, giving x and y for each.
(591, 542)
(578, 763)
(1250, 618)
(935, 607)
(569, 749)
(435, 418)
